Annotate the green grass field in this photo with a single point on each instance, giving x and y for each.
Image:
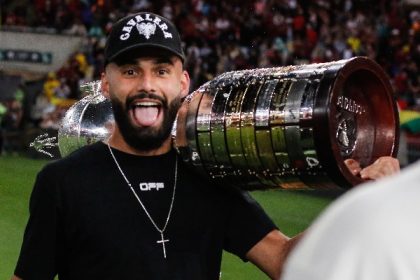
(291, 211)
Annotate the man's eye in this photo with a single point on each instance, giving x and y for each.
(163, 71)
(129, 72)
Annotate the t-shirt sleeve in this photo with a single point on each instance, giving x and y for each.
(37, 258)
(247, 225)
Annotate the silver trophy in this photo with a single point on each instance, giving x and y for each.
(287, 127)
(87, 121)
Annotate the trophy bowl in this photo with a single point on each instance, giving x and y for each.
(290, 127)
(87, 121)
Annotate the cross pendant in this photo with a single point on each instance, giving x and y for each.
(163, 240)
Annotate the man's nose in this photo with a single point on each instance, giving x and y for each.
(146, 83)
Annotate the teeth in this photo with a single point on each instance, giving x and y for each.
(145, 104)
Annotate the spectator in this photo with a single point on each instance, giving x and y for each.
(369, 233)
(11, 126)
(3, 111)
(41, 108)
(77, 28)
(50, 84)
(63, 90)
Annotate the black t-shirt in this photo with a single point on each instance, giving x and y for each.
(85, 223)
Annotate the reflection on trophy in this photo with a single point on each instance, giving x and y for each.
(87, 121)
(288, 127)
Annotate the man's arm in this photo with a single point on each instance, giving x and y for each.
(15, 278)
(270, 253)
(37, 256)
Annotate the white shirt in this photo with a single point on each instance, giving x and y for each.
(372, 232)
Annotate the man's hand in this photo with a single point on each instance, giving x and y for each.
(382, 167)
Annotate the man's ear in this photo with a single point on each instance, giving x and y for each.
(185, 84)
(104, 85)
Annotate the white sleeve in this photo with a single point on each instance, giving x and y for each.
(368, 234)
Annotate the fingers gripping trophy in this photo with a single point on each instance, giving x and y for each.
(292, 127)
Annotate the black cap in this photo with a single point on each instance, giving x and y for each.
(143, 30)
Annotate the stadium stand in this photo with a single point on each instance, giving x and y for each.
(221, 36)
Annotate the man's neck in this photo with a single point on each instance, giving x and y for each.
(117, 141)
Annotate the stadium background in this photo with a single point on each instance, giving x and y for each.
(48, 48)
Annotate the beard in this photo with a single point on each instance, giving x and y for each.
(145, 138)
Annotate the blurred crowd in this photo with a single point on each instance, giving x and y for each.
(221, 36)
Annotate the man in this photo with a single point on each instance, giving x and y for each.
(371, 232)
(127, 208)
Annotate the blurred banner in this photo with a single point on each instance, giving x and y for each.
(35, 52)
(410, 120)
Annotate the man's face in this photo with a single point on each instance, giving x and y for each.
(145, 94)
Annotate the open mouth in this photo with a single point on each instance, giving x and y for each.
(146, 112)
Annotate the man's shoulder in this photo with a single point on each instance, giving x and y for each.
(205, 184)
(81, 159)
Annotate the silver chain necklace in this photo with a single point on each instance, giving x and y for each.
(161, 231)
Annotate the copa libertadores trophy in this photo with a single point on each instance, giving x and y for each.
(287, 127)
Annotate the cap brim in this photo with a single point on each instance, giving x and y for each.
(141, 46)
